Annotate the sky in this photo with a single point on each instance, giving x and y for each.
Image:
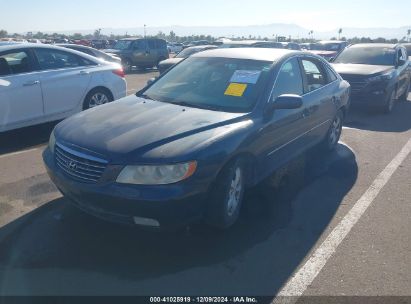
(318, 15)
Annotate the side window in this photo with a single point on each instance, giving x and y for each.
(161, 44)
(140, 45)
(54, 59)
(151, 44)
(14, 62)
(331, 75)
(289, 80)
(314, 75)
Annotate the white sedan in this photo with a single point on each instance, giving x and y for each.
(41, 83)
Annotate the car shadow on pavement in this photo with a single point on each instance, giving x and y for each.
(16, 140)
(57, 249)
(372, 120)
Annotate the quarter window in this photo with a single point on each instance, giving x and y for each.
(14, 63)
(289, 80)
(314, 75)
(55, 59)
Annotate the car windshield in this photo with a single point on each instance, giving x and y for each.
(221, 84)
(187, 52)
(367, 55)
(122, 44)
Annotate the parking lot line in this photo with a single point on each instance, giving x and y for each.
(300, 281)
(17, 153)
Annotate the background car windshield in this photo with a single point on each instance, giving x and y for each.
(187, 52)
(122, 44)
(221, 84)
(367, 55)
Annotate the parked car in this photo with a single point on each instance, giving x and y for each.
(328, 49)
(168, 63)
(378, 74)
(187, 146)
(252, 43)
(100, 44)
(174, 47)
(291, 46)
(140, 52)
(41, 83)
(93, 52)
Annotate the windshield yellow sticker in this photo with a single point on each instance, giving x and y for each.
(236, 89)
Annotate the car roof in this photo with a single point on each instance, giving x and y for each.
(46, 46)
(249, 53)
(379, 45)
(244, 42)
(199, 47)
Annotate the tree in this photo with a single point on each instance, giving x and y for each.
(97, 33)
(3, 33)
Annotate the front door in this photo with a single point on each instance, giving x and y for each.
(282, 136)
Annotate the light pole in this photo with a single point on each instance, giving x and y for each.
(145, 34)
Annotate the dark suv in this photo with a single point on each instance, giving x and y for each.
(379, 74)
(140, 52)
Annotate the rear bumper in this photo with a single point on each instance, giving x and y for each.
(164, 207)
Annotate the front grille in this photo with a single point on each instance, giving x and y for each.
(358, 83)
(79, 166)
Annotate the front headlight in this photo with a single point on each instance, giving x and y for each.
(382, 77)
(156, 175)
(52, 142)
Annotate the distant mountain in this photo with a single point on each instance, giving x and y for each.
(269, 31)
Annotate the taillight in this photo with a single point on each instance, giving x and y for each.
(119, 72)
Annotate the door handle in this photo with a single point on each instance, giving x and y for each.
(84, 73)
(306, 113)
(31, 83)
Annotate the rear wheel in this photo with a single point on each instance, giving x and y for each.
(334, 133)
(96, 98)
(226, 196)
(127, 65)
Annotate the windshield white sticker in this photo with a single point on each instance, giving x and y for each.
(243, 76)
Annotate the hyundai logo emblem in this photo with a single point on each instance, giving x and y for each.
(72, 165)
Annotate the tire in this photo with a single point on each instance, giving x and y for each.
(404, 96)
(127, 65)
(390, 103)
(97, 97)
(330, 142)
(226, 196)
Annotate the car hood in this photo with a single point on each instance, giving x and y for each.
(125, 130)
(171, 61)
(360, 69)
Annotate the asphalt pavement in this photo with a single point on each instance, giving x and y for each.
(337, 224)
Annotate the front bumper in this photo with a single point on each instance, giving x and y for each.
(170, 206)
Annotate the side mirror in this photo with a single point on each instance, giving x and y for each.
(151, 81)
(286, 102)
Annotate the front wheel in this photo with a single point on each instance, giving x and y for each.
(404, 96)
(226, 197)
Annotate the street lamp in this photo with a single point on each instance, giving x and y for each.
(145, 30)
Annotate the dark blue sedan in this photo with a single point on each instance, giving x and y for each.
(187, 146)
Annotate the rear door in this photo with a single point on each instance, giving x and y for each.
(64, 78)
(319, 98)
(140, 53)
(20, 90)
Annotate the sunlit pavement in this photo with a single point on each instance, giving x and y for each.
(48, 247)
